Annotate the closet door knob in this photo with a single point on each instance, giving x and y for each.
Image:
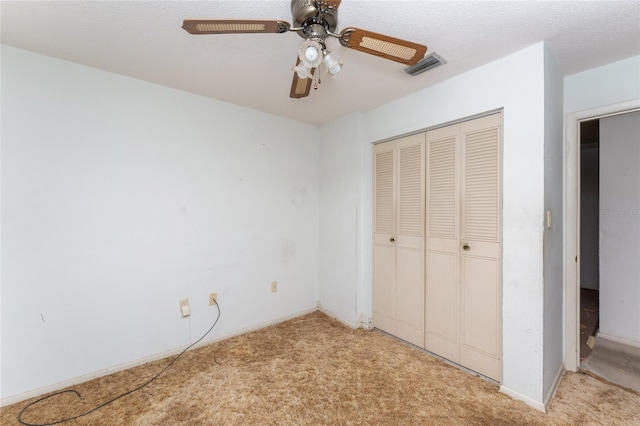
(392, 239)
(466, 247)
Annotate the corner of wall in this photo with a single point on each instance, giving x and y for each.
(524, 398)
(553, 229)
(112, 198)
(551, 392)
(340, 218)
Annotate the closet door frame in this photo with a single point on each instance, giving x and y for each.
(458, 239)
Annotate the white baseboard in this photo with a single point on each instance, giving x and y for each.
(619, 340)
(337, 318)
(554, 387)
(106, 371)
(520, 397)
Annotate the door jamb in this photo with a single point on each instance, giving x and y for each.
(572, 222)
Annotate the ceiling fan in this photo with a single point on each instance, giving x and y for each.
(315, 21)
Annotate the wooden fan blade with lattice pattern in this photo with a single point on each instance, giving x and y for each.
(227, 26)
(394, 49)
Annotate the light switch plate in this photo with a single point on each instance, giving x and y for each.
(184, 308)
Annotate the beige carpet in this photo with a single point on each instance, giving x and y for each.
(314, 371)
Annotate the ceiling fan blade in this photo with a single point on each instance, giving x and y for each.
(381, 45)
(333, 3)
(227, 26)
(300, 87)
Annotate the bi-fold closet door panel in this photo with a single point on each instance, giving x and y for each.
(481, 244)
(398, 297)
(443, 242)
(463, 254)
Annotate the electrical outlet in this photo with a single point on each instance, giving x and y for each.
(184, 308)
(274, 286)
(213, 299)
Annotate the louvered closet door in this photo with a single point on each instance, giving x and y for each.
(463, 255)
(443, 242)
(399, 238)
(481, 253)
(384, 250)
(410, 240)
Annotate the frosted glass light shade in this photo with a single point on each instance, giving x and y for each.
(303, 72)
(309, 53)
(331, 63)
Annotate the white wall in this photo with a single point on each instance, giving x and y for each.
(515, 83)
(610, 84)
(120, 197)
(553, 231)
(339, 211)
(620, 227)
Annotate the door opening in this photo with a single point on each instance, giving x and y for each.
(573, 256)
(589, 235)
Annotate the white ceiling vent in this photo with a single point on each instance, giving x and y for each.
(432, 60)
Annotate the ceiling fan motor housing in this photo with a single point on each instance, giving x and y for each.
(304, 12)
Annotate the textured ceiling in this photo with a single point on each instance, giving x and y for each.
(144, 40)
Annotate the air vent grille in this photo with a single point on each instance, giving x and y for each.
(430, 61)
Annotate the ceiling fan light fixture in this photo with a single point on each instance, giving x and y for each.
(331, 63)
(302, 71)
(309, 53)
